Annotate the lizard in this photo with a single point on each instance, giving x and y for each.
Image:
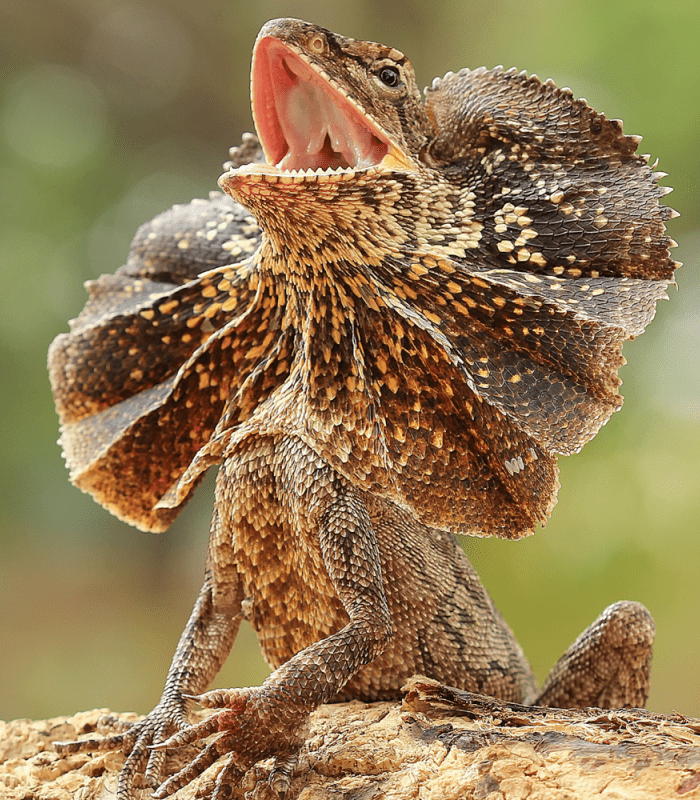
(384, 331)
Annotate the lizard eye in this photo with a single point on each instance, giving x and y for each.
(317, 43)
(390, 76)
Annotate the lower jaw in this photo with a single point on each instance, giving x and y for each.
(326, 214)
(230, 182)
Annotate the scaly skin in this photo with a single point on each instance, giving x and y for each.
(377, 355)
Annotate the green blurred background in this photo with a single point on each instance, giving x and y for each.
(113, 110)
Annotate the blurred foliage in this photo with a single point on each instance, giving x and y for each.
(113, 110)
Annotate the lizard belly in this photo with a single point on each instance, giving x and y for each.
(444, 623)
(292, 603)
(290, 600)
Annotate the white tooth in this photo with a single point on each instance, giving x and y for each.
(366, 146)
(356, 152)
(338, 143)
(316, 141)
(307, 116)
(356, 145)
(321, 124)
(362, 138)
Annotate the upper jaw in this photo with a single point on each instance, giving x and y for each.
(305, 121)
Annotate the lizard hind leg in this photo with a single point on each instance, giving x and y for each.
(608, 665)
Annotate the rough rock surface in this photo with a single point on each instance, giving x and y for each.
(438, 745)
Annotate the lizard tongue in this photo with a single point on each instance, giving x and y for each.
(302, 120)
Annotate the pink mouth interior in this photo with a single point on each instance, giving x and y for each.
(302, 120)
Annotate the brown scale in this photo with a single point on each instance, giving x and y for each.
(380, 355)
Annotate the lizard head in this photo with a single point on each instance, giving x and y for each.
(325, 104)
(325, 101)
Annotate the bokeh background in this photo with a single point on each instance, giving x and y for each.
(113, 110)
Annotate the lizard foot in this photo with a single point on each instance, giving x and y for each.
(138, 740)
(253, 724)
(608, 665)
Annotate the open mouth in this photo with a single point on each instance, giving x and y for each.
(303, 121)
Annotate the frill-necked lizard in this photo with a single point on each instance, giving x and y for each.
(427, 304)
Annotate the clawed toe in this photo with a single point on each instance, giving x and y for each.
(220, 746)
(119, 741)
(190, 734)
(220, 698)
(146, 744)
(109, 725)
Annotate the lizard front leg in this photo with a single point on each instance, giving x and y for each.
(203, 647)
(271, 720)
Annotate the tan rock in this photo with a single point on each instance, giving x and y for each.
(438, 745)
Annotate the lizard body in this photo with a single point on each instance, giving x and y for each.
(384, 333)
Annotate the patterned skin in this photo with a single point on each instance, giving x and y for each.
(384, 332)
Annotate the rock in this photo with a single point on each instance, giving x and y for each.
(440, 744)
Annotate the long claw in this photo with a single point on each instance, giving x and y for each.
(155, 767)
(199, 731)
(132, 766)
(196, 767)
(142, 741)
